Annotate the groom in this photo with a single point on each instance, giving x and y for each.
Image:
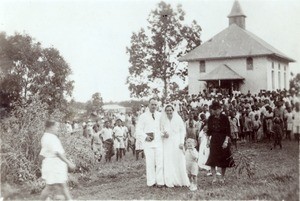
(148, 129)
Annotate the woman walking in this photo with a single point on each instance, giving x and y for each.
(218, 140)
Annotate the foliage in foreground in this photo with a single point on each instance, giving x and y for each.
(21, 134)
(244, 163)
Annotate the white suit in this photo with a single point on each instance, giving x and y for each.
(153, 150)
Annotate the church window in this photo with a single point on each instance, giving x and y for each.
(278, 66)
(273, 80)
(284, 68)
(249, 63)
(202, 67)
(279, 80)
(284, 80)
(273, 65)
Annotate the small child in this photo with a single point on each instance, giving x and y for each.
(203, 149)
(234, 128)
(96, 143)
(191, 157)
(257, 125)
(296, 121)
(125, 134)
(289, 123)
(277, 132)
(248, 127)
(55, 164)
(118, 135)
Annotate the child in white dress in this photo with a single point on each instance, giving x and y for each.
(289, 123)
(191, 157)
(203, 149)
(55, 164)
(296, 121)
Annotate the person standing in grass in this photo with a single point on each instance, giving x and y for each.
(277, 132)
(139, 141)
(203, 149)
(148, 131)
(96, 143)
(106, 136)
(125, 134)
(218, 131)
(131, 134)
(296, 123)
(289, 123)
(257, 125)
(173, 133)
(234, 129)
(191, 157)
(55, 164)
(118, 135)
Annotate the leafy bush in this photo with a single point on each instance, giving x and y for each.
(78, 149)
(21, 133)
(244, 164)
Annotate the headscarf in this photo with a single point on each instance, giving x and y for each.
(176, 117)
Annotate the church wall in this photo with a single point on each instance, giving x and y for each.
(193, 76)
(280, 77)
(255, 79)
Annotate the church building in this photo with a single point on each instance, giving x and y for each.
(236, 60)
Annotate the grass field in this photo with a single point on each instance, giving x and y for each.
(276, 178)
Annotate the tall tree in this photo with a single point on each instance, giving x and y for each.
(27, 69)
(295, 82)
(154, 52)
(95, 104)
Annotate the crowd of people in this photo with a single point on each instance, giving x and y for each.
(195, 131)
(252, 118)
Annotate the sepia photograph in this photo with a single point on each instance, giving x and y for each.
(149, 99)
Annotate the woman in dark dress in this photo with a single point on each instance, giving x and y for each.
(218, 133)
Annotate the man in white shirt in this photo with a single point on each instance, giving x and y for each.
(106, 135)
(148, 129)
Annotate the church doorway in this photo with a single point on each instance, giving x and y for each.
(223, 86)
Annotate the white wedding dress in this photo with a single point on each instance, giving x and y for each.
(174, 164)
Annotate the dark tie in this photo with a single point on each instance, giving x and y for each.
(153, 116)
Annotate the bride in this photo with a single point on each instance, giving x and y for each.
(173, 133)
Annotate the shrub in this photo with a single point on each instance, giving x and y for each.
(244, 164)
(21, 133)
(78, 149)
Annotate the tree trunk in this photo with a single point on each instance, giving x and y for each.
(165, 95)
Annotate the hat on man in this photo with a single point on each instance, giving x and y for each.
(215, 105)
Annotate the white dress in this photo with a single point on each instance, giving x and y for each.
(174, 164)
(54, 170)
(203, 151)
(296, 123)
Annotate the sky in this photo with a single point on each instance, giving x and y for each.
(92, 36)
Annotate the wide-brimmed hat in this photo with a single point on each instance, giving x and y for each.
(215, 105)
